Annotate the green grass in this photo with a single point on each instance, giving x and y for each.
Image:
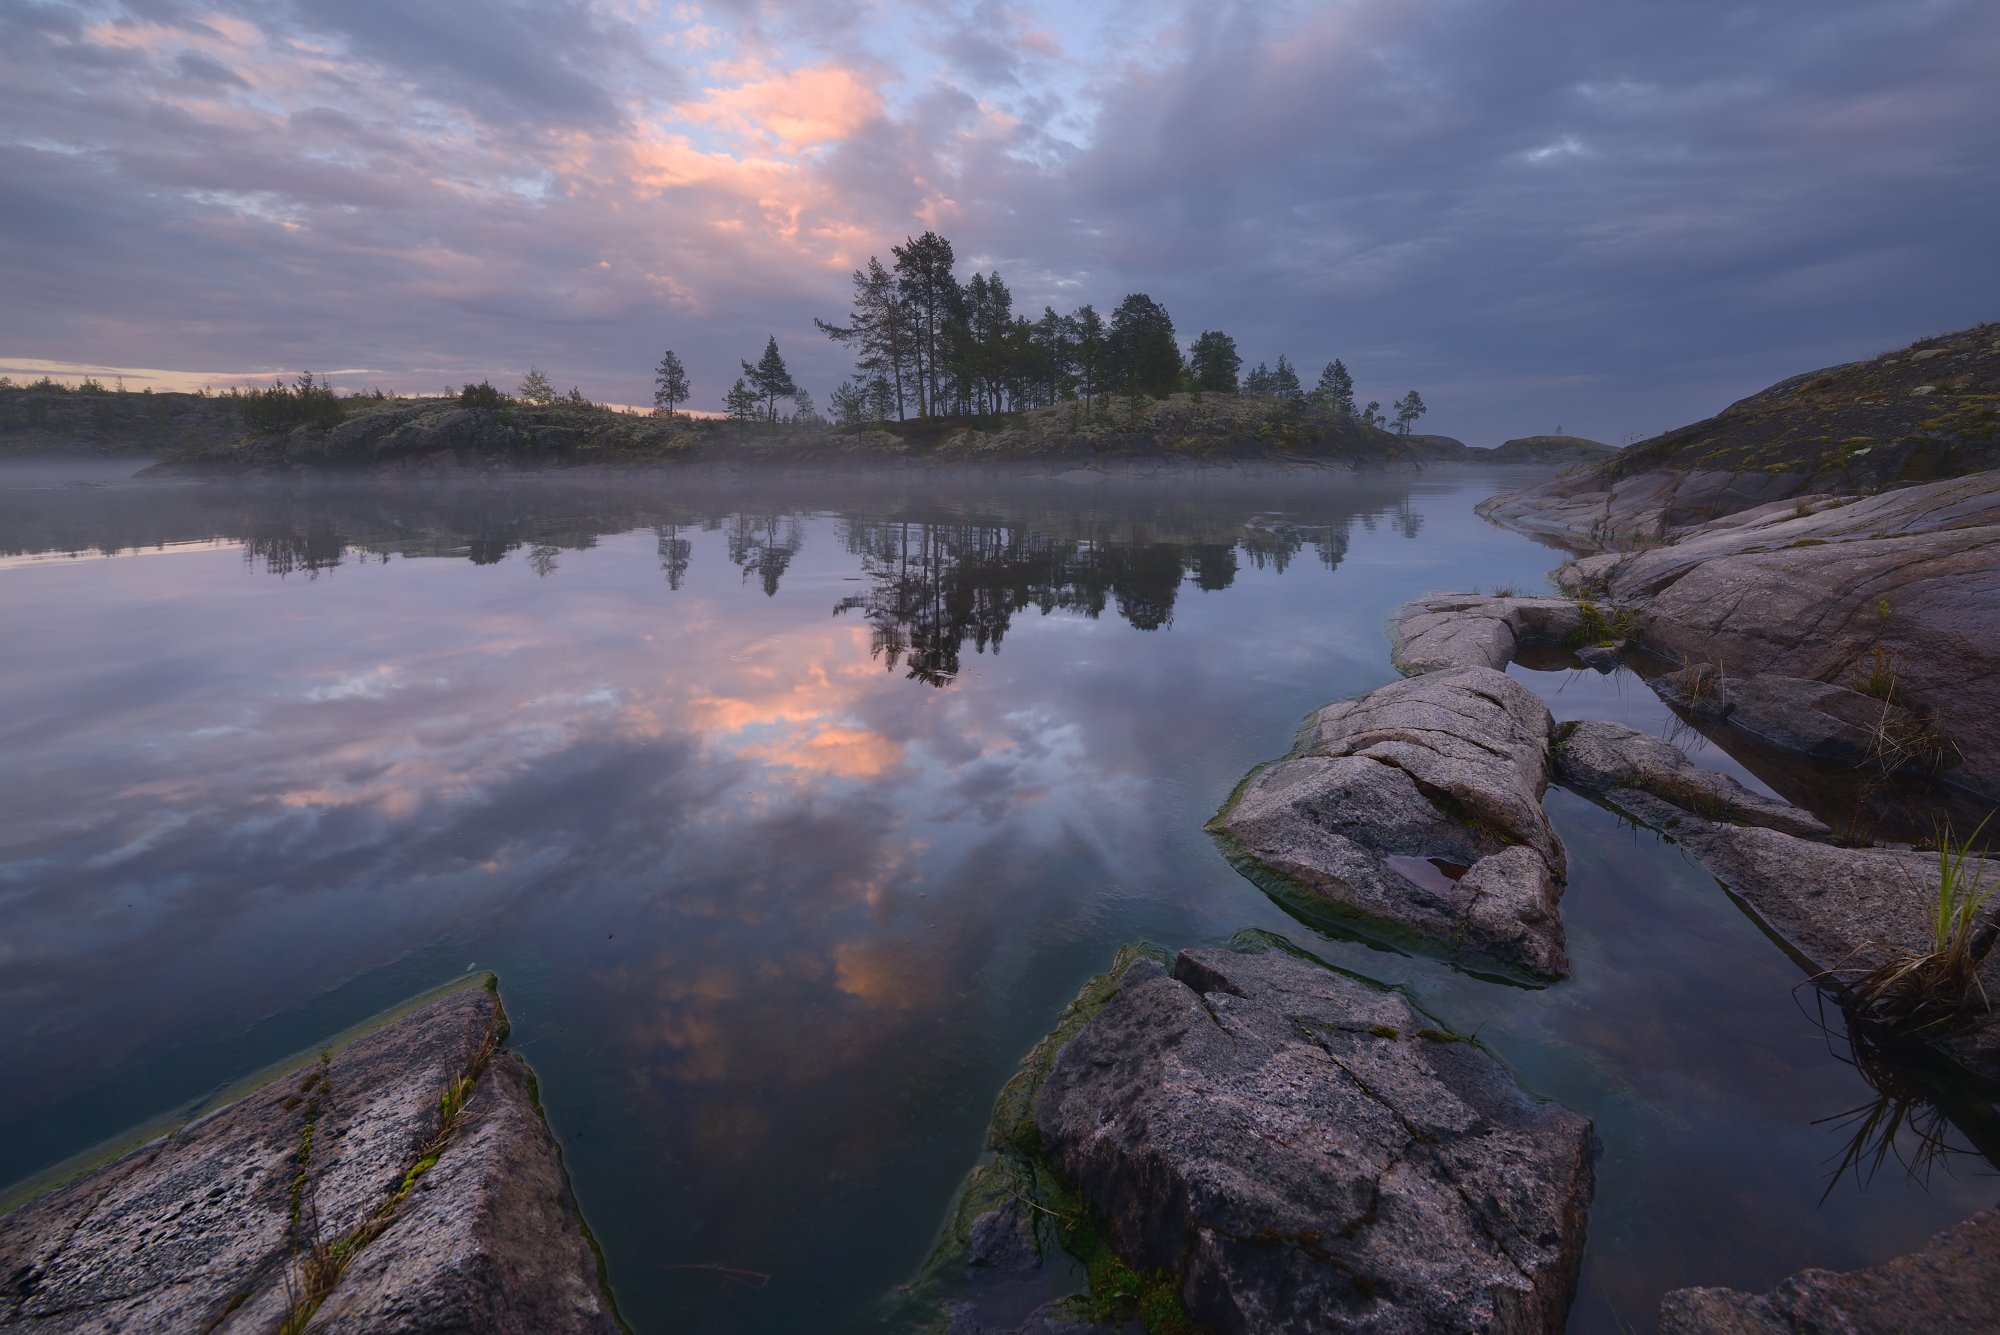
(1915, 991)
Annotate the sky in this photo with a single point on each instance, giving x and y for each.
(1609, 216)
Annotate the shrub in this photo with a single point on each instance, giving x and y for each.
(482, 395)
(304, 402)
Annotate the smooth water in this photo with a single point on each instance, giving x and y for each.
(790, 813)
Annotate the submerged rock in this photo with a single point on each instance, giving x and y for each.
(1842, 911)
(451, 1214)
(1471, 630)
(1305, 1151)
(1953, 1284)
(1616, 761)
(1417, 808)
(1820, 719)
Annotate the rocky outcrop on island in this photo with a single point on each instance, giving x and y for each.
(51, 419)
(1550, 449)
(1895, 597)
(1252, 1141)
(1951, 1285)
(1415, 812)
(1928, 411)
(447, 436)
(404, 1183)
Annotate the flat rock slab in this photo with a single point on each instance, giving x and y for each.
(1952, 1285)
(205, 1230)
(1613, 760)
(1308, 1152)
(1470, 630)
(1417, 809)
(1906, 583)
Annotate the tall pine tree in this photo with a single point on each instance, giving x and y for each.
(1335, 390)
(769, 379)
(670, 383)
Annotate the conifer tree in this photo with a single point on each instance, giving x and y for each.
(1285, 381)
(1408, 409)
(880, 328)
(741, 402)
(931, 297)
(1335, 390)
(1213, 363)
(1145, 357)
(1089, 333)
(535, 387)
(670, 383)
(769, 379)
(1258, 382)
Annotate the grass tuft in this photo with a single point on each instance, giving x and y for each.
(1914, 991)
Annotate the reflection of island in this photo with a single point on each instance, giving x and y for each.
(943, 566)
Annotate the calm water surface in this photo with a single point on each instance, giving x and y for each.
(790, 813)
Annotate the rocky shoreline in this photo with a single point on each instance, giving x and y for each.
(406, 1182)
(1184, 1112)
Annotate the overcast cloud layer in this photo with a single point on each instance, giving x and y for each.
(1607, 215)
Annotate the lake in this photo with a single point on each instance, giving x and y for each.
(790, 812)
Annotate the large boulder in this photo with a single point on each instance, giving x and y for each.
(1306, 1151)
(1448, 630)
(1951, 1285)
(1898, 592)
(1415, 811)
(434, 1216)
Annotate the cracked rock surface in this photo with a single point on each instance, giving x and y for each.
(1906, 583)
(1471, 630)
(1308, 1152)
(203, 1230)
(1417, 808)
(1953, 1284)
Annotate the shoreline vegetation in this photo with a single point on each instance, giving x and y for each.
(309, 427)
(945, 370)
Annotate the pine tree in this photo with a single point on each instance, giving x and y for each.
(769, 379)
(741, 402)
(1371, 416)
(1335, 390)
(1285, 381)
(1214, 363)
(670, 383)
(931, 297)
(880, 326)
(535, 387)
(1145, 357)
(1258, 382)
(1408, 409)
(1089, 334)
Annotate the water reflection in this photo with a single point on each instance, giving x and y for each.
(774, 917)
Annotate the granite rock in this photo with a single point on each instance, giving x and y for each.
(1306, 1151)
(1416, 810)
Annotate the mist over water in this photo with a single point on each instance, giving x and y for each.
(790, 812)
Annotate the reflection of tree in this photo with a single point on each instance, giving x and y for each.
(764, 545)
(935, 586)
(284, 549)
(675, 553)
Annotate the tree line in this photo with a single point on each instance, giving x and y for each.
(927, 345)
